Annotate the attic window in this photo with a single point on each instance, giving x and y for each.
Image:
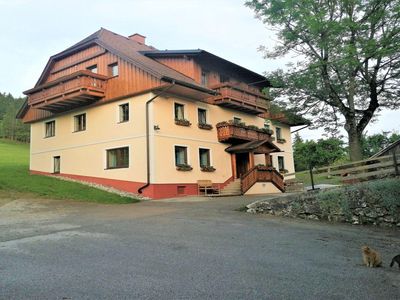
(92, 69)
(113, 69)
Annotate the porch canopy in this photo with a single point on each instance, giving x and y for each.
(257, 147)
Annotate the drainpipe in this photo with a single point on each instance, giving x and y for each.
(140, 190)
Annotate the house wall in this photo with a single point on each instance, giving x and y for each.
(192, 137)
(84, 153)
(286, 147)
(131, 79)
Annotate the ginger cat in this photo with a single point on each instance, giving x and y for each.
(371, 258)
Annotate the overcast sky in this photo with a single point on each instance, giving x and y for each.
(32, 31)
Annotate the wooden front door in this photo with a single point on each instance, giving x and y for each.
(242, 164)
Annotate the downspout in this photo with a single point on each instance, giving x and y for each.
(140, 190)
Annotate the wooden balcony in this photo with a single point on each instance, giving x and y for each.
(231, 132)
(240, 98)
(68, 92)
(261, 174)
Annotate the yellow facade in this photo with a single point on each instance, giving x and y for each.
(84, 153)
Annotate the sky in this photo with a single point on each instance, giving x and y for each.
(32, 31)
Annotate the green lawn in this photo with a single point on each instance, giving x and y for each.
(16, 180)
(318, 179)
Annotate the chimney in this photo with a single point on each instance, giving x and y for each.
(141, 39)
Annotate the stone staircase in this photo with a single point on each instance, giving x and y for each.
(232, 189)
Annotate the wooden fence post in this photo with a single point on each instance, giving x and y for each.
(396, 167)
(312, 178)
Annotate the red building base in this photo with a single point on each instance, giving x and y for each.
(154, 191)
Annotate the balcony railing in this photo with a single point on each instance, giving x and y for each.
(261, 174)
(240, 98)
(229, 132)
(77, 89)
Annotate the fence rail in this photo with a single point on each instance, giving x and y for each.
(367, 169)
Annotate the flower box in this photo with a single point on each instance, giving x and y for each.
(281, 141)
(182, 122)
(208, 169)
(205, 126)
(184, 168)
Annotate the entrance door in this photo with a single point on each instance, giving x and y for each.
(242, 164)
(56, 165)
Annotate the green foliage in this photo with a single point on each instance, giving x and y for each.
(10, 127)
(349, 62)
(316, 154)
(15, 178)
(384, 193)
(376, 142)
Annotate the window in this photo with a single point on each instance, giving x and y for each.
(204, 78)
(202, 115)
(118, 158)
(204, 155)
(92, 68)
(266, 125)
(237, 120)
(56, 164)
(179, 111)
(281, 163)
(223, 78)
(278, 133)
(124, 112)
(180, 155)
(50, 128)
(113, 69)
(80, 122)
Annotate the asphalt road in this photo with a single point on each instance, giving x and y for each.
(185, 250)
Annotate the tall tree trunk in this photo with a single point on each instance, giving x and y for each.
(355, 148)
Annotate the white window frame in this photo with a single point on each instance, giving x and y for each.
(187, 154)
(184, 110)
(208, 119)
(211, 155)
(117, 147)
(73, 122)
(119, 112)
(45, 124)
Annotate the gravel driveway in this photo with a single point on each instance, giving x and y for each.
(192, 248)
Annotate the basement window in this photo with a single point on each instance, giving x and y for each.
(118, 158)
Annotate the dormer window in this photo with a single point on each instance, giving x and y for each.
(92, 69)
(113, 70)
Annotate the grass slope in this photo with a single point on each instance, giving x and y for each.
(304, 176)
(15, 179)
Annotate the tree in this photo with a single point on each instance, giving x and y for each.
(315, 154)
(376, 142)
(10, 127)
(349, 59)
